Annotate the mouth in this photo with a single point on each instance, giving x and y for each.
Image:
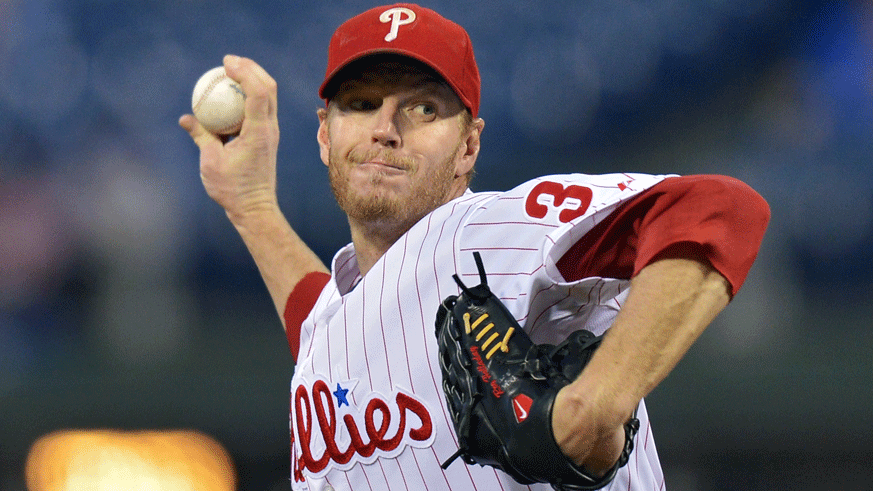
(382, 165)
(387, 164)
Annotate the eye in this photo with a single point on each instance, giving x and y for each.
(424, 111)
(364, 105)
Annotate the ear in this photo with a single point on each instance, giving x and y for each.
(469, 150)
(323, 136)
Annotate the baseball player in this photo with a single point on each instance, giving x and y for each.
(649, 260)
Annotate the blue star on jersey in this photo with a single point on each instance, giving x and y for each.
(340, 394)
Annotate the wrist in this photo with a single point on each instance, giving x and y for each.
(255, 219)
(586, 433)
(582, 413)
(606, 407)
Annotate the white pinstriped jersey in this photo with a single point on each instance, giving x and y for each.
(367, 408)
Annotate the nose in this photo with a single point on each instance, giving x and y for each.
(386, 124)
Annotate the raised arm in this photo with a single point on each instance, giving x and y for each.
(240, 175)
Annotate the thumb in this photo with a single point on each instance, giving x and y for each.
(198, 133)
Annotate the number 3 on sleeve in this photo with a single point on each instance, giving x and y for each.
(562, 198)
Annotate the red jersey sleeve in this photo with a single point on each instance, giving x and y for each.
(715, 218)
(299, 304)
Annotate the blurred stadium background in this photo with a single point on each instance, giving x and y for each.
(128, 301)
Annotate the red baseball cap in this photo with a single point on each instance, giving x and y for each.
(409, 30)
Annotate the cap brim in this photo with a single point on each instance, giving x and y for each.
(328, 87)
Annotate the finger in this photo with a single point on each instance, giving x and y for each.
(258, 85)
(188, 123)
(198, 133)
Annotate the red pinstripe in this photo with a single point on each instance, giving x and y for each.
(382, 326)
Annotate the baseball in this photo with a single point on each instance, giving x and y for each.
(218, 102)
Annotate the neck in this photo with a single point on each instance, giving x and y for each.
(372, 241)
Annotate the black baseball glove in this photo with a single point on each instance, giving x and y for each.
(500, 388)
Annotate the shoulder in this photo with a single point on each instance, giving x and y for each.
(557, 201)
(529, 224)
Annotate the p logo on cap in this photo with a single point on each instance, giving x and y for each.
(395, 17)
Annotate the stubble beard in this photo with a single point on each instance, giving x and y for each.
(381, 207)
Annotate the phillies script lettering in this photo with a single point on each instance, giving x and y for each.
(484, 373)
(327, 437)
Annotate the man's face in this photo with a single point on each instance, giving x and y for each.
(397, 145)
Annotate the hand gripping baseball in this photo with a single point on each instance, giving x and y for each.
(500, 388)
(240, 173)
